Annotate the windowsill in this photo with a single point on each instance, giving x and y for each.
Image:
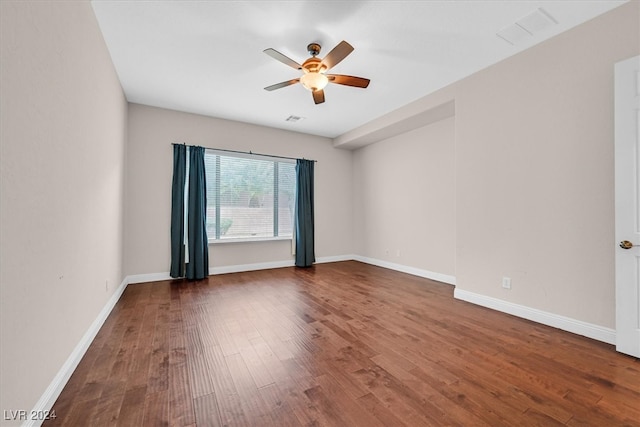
(248, 240)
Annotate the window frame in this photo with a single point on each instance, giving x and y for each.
(216, 239)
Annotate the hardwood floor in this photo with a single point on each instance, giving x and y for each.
(342, 344)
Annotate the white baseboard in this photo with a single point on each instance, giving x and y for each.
(249, 267)
(275, 264)
(150, 277)
(51, 394)
(568, 324)
(238, 268)
(444, 278)
(337, 258)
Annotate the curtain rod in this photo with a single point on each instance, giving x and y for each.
(250, 152)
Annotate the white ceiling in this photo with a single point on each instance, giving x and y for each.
(206, 57)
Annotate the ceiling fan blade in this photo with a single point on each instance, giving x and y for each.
(282, 84)
(318, 96)
(348, 80)
(337, 54)
(282, 58)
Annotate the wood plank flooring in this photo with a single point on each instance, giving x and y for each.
(341, 344)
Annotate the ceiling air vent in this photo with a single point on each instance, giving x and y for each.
(513, 34)
(527, 27)
(537, 21)
(294, 119)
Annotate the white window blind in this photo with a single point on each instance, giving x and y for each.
(248, 197)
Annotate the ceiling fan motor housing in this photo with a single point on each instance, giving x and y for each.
(314, 65)
(313, 48)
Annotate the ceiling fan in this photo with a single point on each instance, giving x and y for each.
(314, 77)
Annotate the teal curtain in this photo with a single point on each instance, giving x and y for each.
(190, 261)
(305, 253)
(198, 265)
(177, 210)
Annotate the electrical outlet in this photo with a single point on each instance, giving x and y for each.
(106, 286)
(398, 252)
(506, 282)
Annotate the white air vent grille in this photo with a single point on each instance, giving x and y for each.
(536, 21)
(527, 27)
(514, 34)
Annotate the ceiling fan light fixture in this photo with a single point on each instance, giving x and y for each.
(314, 81)
(314, 78)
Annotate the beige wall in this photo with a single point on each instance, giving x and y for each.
(533, 171)
(534, 160)
(62, 140)
(404, 199)
(149, 173)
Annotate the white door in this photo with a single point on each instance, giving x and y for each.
(627, 164)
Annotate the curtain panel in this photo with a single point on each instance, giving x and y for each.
(177, 211)
(189, 243)
(304, 221)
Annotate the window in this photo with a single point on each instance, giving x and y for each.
(249, 197)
